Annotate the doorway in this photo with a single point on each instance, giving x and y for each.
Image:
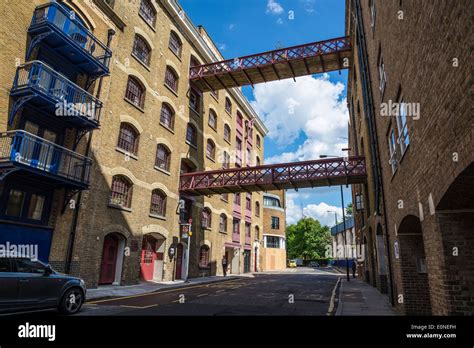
(109, 259)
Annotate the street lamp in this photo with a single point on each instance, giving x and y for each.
(343, 224)
(335, 215)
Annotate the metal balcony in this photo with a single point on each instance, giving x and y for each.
(326, 172)
(57, 27)
(290, 62)
(24, 152)
(47, 90)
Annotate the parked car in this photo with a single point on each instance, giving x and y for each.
(313, 264)
(29, 285)
(292, 263)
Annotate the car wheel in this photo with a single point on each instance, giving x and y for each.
(72, 301)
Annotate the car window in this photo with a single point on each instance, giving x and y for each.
(28, 266)
(5, 266)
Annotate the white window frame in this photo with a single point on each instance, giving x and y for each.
(403, 137)
(393, 151)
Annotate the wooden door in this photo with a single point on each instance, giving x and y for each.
(148, 257)
(179, 261)
(109, 260)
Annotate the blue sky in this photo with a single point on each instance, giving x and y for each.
(318, 123)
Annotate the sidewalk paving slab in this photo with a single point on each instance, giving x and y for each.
(356, 297)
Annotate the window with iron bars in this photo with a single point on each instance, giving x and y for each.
(121, 193)
(148, 12)
(158, 203)
(128, 138)
(135, 93)
(141, 50)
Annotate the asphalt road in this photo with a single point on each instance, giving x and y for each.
(301, 291)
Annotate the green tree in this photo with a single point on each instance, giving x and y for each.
(349, 209)
(307, 239)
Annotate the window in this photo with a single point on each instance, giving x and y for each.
(210, 149)
(195, 100)
(257, 232)
(225, 197)
(163, 157)
(5, 265)
(247, 229)
(271, 202)
(215, 94)
(226, 160)
(272, 242)
(25, 205)
(16, 200)
(158, 203)
(240, 120)
(275, 222)
(222, 223)
(403, 138)
(141, 50)
(167, 116)
(206, 217)
(237, 199)
(28, 266)
(372, 13)
(204, 257)
(128, 138)
(249, 156)
(135, 92)
(248, 201)
(194, 62)
(175, 44)
(227, 133)
(212, 122)
(191, 135)
(171, 79)
(258, 141)
(382, 74)
(257, 208)
(236, 226)
(121, 191)
(36, 208)
(148, 13)
(228, 105)
(392, 151)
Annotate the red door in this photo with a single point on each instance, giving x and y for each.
(109, 260)
(179, 260)
(147, 261)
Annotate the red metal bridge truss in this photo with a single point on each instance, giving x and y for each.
(290, 62)
(324, 172)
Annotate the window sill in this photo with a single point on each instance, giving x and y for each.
(167, 128)
(206, 228)
(162, 170)
(160, 217)
(176, 55)
(215, 98)
(171, 90)
(223, 232)
(224, 200)
(131, 155)
(147, 23)
(119, 207)
(404, 153)
(134, 105)
(211, 159)
(142, 63)
(227, 141)
(213, 128)
(229, 113)
(192, 145)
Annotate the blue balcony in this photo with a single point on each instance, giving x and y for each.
(56, 26)
(46, 90)
(29, 154)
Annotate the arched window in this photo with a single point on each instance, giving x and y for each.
(210, 149)
(158, 203)
(171, 79)
(222, 223)
(147, 12)
(240, 119)
(212, 119)
(191, 135)
(163, 157)
(167, 116)
(121, 194)
(206, 218)
(204, 256)
(228, 105)
(128, 138)
(257, 208)
(135, 92)
(257, 232)
(175, 44)
(194, 62)
(226, 160)
(141, 50)
(259, 142)
(227, 132)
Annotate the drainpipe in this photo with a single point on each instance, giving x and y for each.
(75, 218)
(368, 106)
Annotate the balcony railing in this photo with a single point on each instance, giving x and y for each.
(58, 24)
(26, 151)
(59, 94)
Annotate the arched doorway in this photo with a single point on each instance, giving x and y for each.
(152, 257)
(179, 261)
(112, 259)
(414, 272)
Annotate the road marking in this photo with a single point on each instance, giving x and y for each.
(220, 290)
(154, 293)
(333, 296)
(202, 295)
(175, 301)
(139, 307)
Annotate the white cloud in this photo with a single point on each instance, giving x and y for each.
(308, 5)
(312, 106)
(279, 21)
(322, 212)
(222, 47)
(274, 7)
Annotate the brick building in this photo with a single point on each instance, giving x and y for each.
(410, 116)
(103, 202)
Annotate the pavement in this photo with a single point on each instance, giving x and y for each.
(356, 297)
